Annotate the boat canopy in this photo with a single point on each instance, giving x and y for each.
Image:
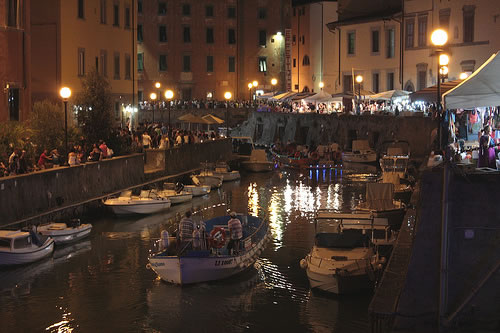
(348, 239)
(379, 196)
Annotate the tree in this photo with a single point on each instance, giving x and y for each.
(94, 107)
(12, 136)
(47, 125)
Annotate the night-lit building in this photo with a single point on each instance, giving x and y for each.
(15, 63)
(70, 38)
(201, 49)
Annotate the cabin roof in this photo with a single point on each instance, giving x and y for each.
(13, 233)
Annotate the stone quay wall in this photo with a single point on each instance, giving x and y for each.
(308, 128)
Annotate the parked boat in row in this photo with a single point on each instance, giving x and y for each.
(258, 162)
(64, 233)
(148, 202)
(361, 153)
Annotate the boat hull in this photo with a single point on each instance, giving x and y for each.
(145, 208)
(68, 235)
(212, 181)
(197, 191)
(228, 176)
(257, 166)
(25, 257)
(337, 284)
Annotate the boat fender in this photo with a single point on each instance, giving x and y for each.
(303, 263)
(164, 239)
(148, 266)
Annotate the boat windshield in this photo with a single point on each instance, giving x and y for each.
(22, 242)
(327, 225)
(348, 239)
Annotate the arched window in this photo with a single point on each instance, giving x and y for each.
(305, 60)
(306, 89)
(409, 86)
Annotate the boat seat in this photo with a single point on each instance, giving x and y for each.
(57, 226)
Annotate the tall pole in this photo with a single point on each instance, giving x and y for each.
(66, 126)
(438, 106)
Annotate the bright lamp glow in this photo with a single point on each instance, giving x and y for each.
(443, 70)
(157, 85)
(250, 85)
(463, 76)
(444, 59)
(65, 92)
(152, 96)
(255, 83)
(228, 95)
(274, 82)
(439, 37)
(279, 36)
(359, 78)
(321, 84)
(169, 94)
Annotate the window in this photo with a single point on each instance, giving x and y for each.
(104, 63)
(139, 33)
(140, 95)
(390, 81)
(375, 83)
(162, 8)
(186, 63)
(186, 9)
(262, 13)
(139, 6)
(20, 243)
(391, 43)
(116, 14)
(375, 41)
(232, 65)
(422, 31)
(81, 6)
(127, 67)
(103, 11)
(231, 12)
(305, 61)
(444, 18)
(162, 62)
(210, 35)
(127, 18)
(13, 13)
(262, 38)
(262, 64)
(209, 11)
(469, 23)
(294, 62)
(13, 100)
(116, 75)
(351, 42)
(410, 31)
(140, 62)
(81, 62)
(421, 79)
(231, 36)
(186, 35)
(162, 33)
(210, 64)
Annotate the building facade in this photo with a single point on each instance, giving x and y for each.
(201, 49)
(15, 63)
(71, 38)
(313, 46)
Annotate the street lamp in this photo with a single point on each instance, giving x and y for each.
(227, 96)
(463, 76)
(250, 86)
(359, 80)
(321, 85)
(169, 94)
(65, 93)
(158, 86)
(274, 82)
(152, 97)
(439, 37)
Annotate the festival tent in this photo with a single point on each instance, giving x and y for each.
(282, 96)
(211, 119)
(192, 119)
(322, 97)
(429, 94)
(480, 89)
(389, 95)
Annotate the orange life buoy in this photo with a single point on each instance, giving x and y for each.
(217, 237)
(297, 154)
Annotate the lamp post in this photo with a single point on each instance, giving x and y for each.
(274, 82)
(227, 96)
(439, 37)
(359, 80)
(250, 86)
(65, 93)
(255, 84)
(158, 86)
(169, 94)
(321, 85)
(153, 97)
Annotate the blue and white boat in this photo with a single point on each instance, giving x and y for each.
(176, 265)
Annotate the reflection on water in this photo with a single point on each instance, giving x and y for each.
(102, 284)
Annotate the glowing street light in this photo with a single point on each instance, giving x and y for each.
(250, 85)
(274, 82)
(169, 94)
(463, 76)
(227, 96)
(255, 84)
(65, 93)
(359, 78)
(152, 96)
(158, 85)
(439, 37)
(321, 85)
(444, 59)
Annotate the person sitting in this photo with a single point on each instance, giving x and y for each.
(186, 228)
(56, 158)
(44, 160)
(73, 158)
(95, 154)
(236, 233)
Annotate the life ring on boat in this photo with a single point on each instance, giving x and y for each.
(315, 155)
(217, 238)
(297, 154)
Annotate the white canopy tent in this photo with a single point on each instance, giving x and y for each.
(322, 97)
(480, 89)
(389, 95)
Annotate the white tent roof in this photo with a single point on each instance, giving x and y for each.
(388, 95)
(322, 97)
(482, 88)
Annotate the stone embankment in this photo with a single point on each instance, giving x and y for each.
(61, 192)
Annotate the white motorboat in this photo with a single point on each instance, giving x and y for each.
(207, 178)
(197, 190)
(147, 203)
(394, 165)
(361, 153)
(187, 267)
(222, 170)
(21, 247)
(258, 162)
(344, 258)
(63, 233)
(176, 197)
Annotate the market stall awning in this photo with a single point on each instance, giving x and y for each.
(298, 96)
(388, 95)
(480, 89)
(189, 118)
(265, 96)
(429, 94)
(279, 97)
(211, 119)
(322, 97)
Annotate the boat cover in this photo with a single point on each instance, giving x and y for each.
(379, 196)
(348, 239)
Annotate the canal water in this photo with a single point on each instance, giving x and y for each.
(102, 284)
